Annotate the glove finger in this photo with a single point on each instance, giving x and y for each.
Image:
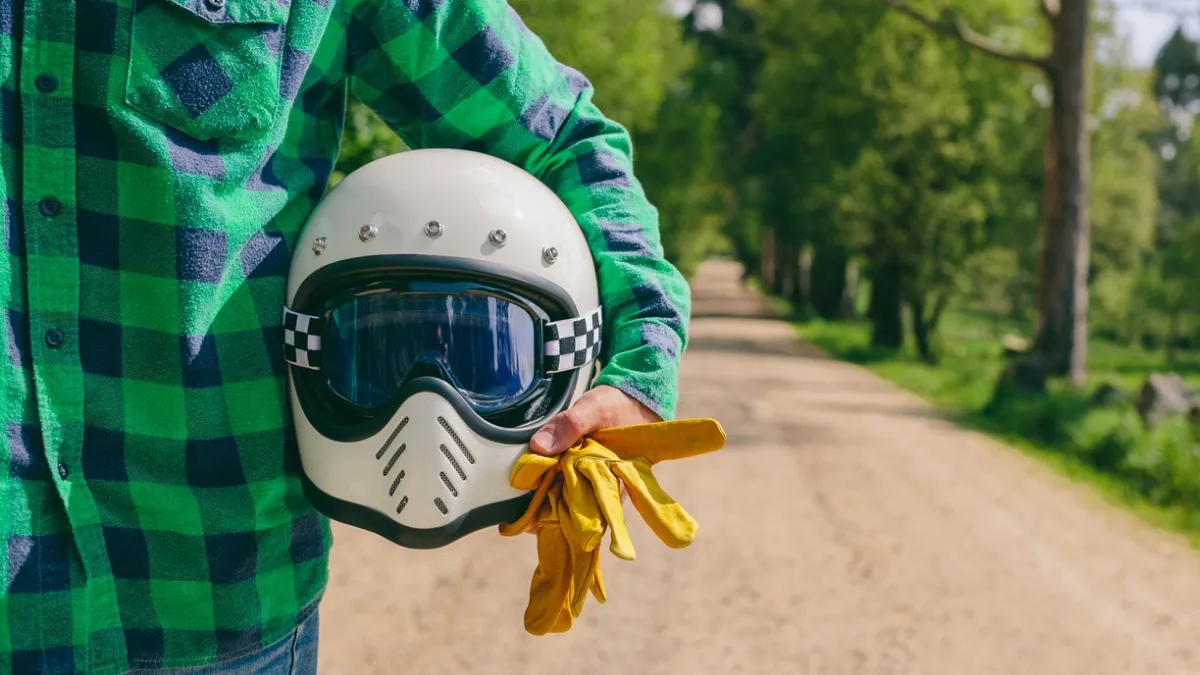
(661, 441)
(586, 565)
(585, 521)
(666, 517)
(529, 518)
(529, 469)
(551, 586)
(608, 494)
(597, 585)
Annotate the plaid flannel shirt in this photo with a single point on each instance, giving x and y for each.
(158, 160)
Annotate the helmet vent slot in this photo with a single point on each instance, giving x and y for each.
(403, 503)
(449, 486)
(457, 441)
(396, 483)
(437, 501)
(391, 439)
(392, 462)
(454, 462)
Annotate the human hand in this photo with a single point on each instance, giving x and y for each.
(603, 407)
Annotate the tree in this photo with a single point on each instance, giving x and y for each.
(1061, 334)
(892, 151)
(815, 119)
(924, 184)
(728, 60)
(1124, 198)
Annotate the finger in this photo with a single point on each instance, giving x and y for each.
(666, 517)
(661, 441)
(584, 521)
(606, 486)
(597, 585)
(565, 429)
(548, 610)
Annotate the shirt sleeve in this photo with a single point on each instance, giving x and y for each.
(469, 74)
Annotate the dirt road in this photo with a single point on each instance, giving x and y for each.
(844, 530)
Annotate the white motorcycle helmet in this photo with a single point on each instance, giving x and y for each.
(441, 306)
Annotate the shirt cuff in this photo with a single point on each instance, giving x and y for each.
(648, 371)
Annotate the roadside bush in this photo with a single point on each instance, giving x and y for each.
(1161, 464)
(1106, 437)
(1174, 466)
(1049, 419)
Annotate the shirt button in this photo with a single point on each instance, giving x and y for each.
(62, 470)
(49, 207)
(54, 338)
(45, 83)
(215, 4)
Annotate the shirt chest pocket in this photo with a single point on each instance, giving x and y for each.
(210, 68)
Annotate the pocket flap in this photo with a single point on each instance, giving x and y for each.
(236, 11)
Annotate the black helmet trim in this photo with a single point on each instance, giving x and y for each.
(362, 517)
(343, 275)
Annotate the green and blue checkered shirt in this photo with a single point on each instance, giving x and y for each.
(158, 160)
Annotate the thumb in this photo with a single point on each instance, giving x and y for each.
(569, 426)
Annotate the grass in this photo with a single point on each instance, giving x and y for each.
(1153, 473)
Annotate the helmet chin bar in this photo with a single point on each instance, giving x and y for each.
(365, 518)
(434, 473)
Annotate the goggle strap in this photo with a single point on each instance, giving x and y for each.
(302, 339)
(571, 343)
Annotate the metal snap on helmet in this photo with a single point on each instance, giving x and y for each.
(441, 306)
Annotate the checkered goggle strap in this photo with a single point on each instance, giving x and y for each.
(301, 339)
(571, 343)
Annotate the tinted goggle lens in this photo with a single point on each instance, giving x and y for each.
(485, 345)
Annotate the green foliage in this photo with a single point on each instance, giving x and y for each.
(678, 165)
(631, 50)
(990, 281)
(366, 139)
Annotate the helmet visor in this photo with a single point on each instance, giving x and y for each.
(484, 345)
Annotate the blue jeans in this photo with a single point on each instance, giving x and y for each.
(296, 654)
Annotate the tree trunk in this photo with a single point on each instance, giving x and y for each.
(767, 254)
(786, 266)
(829, 281)
(850, 291)
(921, 327)
(800, 293)
(887, 324)
(1172, 335)
(1066, 232)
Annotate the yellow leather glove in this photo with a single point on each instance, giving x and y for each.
(577, 497)
(594, 471)
(565, 573)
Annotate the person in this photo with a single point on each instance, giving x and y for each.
(155, 168)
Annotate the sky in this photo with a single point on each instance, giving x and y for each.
(1149, 29)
